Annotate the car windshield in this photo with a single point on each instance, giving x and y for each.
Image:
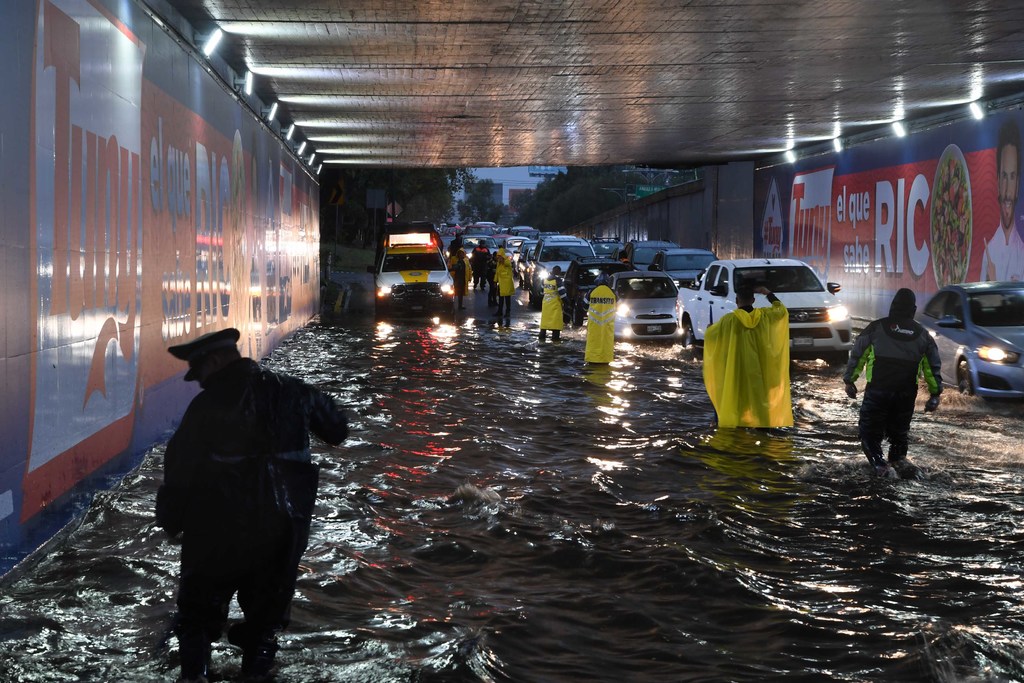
(644, 255)
(998, 309)
(688, 261)
(606, 248)
(779, 278)
(429, 261)
(646, 288)
(586, 277)
(473, 242)
(565, 252)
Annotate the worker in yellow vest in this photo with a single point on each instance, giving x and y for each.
(551, 317)
(506, 287)
(600, 323)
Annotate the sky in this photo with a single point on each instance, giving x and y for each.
(511, 178)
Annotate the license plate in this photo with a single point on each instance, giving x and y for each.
(416, 308)
(651, 329)
(803, 341)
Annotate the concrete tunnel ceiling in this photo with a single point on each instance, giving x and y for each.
(436, 83)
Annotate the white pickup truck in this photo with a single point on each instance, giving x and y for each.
(819, 324)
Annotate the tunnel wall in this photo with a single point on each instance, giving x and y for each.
(142, 204)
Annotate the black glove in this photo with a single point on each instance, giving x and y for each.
(851, 389)
(931, 404)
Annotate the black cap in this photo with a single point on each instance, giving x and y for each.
(193, 351)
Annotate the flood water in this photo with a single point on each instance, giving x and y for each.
(503, 512)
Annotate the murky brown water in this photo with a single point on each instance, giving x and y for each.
(613, 535)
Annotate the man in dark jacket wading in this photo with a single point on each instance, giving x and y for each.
(892, 352)
(240, 487)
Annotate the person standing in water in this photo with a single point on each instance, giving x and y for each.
(892, 352)
(600, 323)
(552, 305)
(746, 363)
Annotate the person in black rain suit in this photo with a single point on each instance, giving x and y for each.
(893, 352)
(239, 486)
(478, 260)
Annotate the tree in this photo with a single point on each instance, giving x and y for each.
(479, 204)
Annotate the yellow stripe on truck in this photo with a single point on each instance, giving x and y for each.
(414, 275)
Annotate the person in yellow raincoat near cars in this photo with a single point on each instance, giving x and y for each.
(462, 275)
(551, 317)
(746, 363)
(600, 323)
(506, 286)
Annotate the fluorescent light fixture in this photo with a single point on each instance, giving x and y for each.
(291, 131)
(897, 127)
(976, 111)
(248, 82)
(790, 156)
(837, 144)
(319, 168)
(212, 41)
(311, 158)
(302, 148)
(272, 113)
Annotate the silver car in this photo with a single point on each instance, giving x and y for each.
(979, 329)
(647, 306)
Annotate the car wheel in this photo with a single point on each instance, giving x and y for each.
(578, 314)
(686, 336)
(837, 358)
(963, 378)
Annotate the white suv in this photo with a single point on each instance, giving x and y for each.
(819, 324)
(551, 251)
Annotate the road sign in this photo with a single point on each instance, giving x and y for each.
(644, 190)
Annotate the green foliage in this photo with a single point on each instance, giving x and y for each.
(479, 204)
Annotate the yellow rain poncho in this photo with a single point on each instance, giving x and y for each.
(746, 368)
(551, 306)
(503, 274)
(601, 326)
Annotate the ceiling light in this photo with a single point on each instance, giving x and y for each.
(291, 131)
(248, 82)
(319, 168)
(790, 156)
(837, 144)
(976, 111)
(212, 41)
(302, 148)
(897, 127)
(272, 112)
(311, 158)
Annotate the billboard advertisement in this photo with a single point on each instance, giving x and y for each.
(157, 208)
(937, 207)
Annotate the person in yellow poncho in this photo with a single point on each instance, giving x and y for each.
(551, 317)
(600, 323)
(461, 275)
(506, 286)
(746, 363)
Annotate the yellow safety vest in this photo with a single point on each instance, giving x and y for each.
(551, 308)
(601, 326)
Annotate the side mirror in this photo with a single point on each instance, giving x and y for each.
(950, 321)
(833, 287)
(720, 290)
(654, 266)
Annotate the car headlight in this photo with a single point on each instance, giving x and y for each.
(447, 288)
(623, 310)
(542, 274)
(838, 314)
(995, 354)
(384, 290)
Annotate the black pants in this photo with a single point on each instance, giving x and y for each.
(505, 307)
(886, 415)
(555, 334)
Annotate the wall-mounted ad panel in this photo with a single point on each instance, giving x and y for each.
(159, 209)
(924, 211)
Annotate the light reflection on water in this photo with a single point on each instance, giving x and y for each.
(627, 540)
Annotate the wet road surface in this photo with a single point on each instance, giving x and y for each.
(503, 512)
